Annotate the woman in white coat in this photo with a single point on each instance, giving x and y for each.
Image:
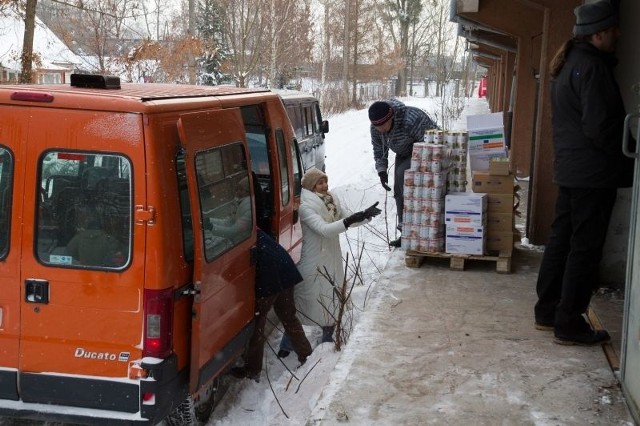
(323, 220)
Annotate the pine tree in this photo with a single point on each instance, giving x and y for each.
(210, 30)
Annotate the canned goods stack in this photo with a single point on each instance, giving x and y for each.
(425, 187)
(457, 143)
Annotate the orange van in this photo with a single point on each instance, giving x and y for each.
(127, 225)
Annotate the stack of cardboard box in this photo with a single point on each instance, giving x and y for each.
(498, 185)
(465, 216)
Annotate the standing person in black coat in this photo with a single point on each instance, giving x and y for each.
(588, 116)
(276, 276)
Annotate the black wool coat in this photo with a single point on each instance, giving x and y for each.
(587, 117)
(275, 269)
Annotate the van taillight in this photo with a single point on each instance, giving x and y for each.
(158, 323)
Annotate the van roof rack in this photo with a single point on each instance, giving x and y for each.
(95, 81)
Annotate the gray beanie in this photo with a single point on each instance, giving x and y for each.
(592, 18)
(311, 177)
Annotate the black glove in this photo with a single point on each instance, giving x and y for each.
(384, 179)
(354, 218)
(372, 211)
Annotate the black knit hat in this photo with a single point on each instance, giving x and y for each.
(594, 17)
(380, 112)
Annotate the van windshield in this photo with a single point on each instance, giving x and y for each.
(84, 207)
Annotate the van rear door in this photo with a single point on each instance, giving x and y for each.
(12, 131)
(80, 296)
(223, 214)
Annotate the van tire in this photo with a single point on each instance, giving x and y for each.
(183, 415)
(209, 399)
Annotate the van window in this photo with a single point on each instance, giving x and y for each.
(185, 207)
(284, 167)
(225, 198)
(84, 210)
(309, 120)
(296, 120)
(256, 133)
(6, 176)
(297, 167)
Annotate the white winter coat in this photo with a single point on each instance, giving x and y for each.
(320, 250)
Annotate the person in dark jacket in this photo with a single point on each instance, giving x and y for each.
(276, 276)
(587, 118)
(396, 127)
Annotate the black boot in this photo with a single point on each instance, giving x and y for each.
(582, 338)
(396, 243)
(283, 353)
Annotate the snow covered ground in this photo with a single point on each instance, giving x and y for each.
(285, 397)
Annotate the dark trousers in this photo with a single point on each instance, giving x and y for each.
(568, 273)
(285, 310)
(402, 164)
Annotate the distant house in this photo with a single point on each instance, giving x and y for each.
(53, 61)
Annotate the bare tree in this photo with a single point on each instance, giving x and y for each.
(243, 32)
(399, 16)
(26, 76)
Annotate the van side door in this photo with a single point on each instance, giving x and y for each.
(219, 180)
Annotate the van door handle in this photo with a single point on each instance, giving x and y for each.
(36, 291)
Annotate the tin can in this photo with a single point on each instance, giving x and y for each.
(438, 193)
(438, 152)
(409, 177)
(428, 136)
(437, 205)
(450, 138)
(409, 191)
(408, 217)
(438, 137)
(439, 180)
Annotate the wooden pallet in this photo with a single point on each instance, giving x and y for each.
(414, 259)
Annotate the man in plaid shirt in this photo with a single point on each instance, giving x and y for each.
(396, 127)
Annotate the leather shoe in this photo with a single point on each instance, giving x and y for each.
(583, 338)
(396, 243)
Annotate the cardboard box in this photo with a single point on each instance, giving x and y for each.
(499, 222)
(500, 241)
(499, 203)
(465, 202)
(465, 219)
(464, 244)
(499, 167)
(484, 182)
(486, 140)
(470, 230)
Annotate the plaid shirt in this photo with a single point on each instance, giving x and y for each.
(409, 125)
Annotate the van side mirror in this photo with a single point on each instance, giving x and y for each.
(324, 127)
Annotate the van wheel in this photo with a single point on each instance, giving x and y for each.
(183, 415)
(211, 397)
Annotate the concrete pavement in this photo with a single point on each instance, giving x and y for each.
(458, 347)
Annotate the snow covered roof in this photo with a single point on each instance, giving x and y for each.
(53, 53)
